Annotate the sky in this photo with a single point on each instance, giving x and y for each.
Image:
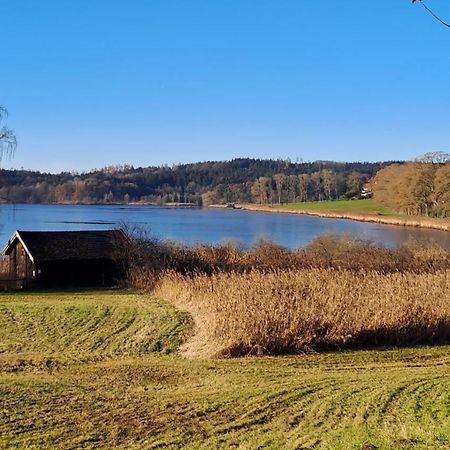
(90, 83)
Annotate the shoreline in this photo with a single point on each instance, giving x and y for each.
(170, 205)
(406, 221)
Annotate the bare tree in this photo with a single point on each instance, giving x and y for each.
(355, 183)
(280, 183)
(261, 189)
(434, 158)
(8, 140)
(303, 184)
(442, 190)
(329, 181)
(292, 186)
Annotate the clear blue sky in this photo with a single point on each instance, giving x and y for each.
(90, 83)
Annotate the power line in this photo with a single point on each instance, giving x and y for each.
(432, 13)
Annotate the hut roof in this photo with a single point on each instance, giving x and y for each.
(67, 245)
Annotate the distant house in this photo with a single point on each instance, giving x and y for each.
(63, 258)
(365, 193)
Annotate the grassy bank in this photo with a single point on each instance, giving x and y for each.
(366, 210)
(362, 206)
(117, 392)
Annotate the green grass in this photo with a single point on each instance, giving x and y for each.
(355, 206)
(86, 326)
(100, 370)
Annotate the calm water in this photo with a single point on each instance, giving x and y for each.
(206, 225)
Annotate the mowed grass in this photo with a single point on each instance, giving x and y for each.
(59, 328)
(100, 370)
(356, 206)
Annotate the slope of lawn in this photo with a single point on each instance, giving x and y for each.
(359, 206)
(100, 370)
(57, 328)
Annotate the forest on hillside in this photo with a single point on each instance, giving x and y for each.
(239, 180)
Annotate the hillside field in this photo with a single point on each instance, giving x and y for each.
(362, 206)
(100, 369)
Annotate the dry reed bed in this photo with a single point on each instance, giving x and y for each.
(148, 259)
(293, 311)
(422, 222)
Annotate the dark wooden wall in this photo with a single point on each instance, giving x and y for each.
(20, 266)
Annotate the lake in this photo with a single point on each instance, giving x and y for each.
(211, 226)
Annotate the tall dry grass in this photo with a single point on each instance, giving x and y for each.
(336, 292)
(146, 258)
(291, 311)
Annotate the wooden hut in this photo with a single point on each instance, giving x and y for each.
(64, 258)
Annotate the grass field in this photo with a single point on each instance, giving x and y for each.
(100, 370)
(365, 210)
(361, 206)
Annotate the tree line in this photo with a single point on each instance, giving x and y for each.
(240, 180)
(320, 185)
(420, 188)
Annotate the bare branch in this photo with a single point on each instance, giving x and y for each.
(3, 113)
(432, 13)
(434, 158)
(8, 140)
